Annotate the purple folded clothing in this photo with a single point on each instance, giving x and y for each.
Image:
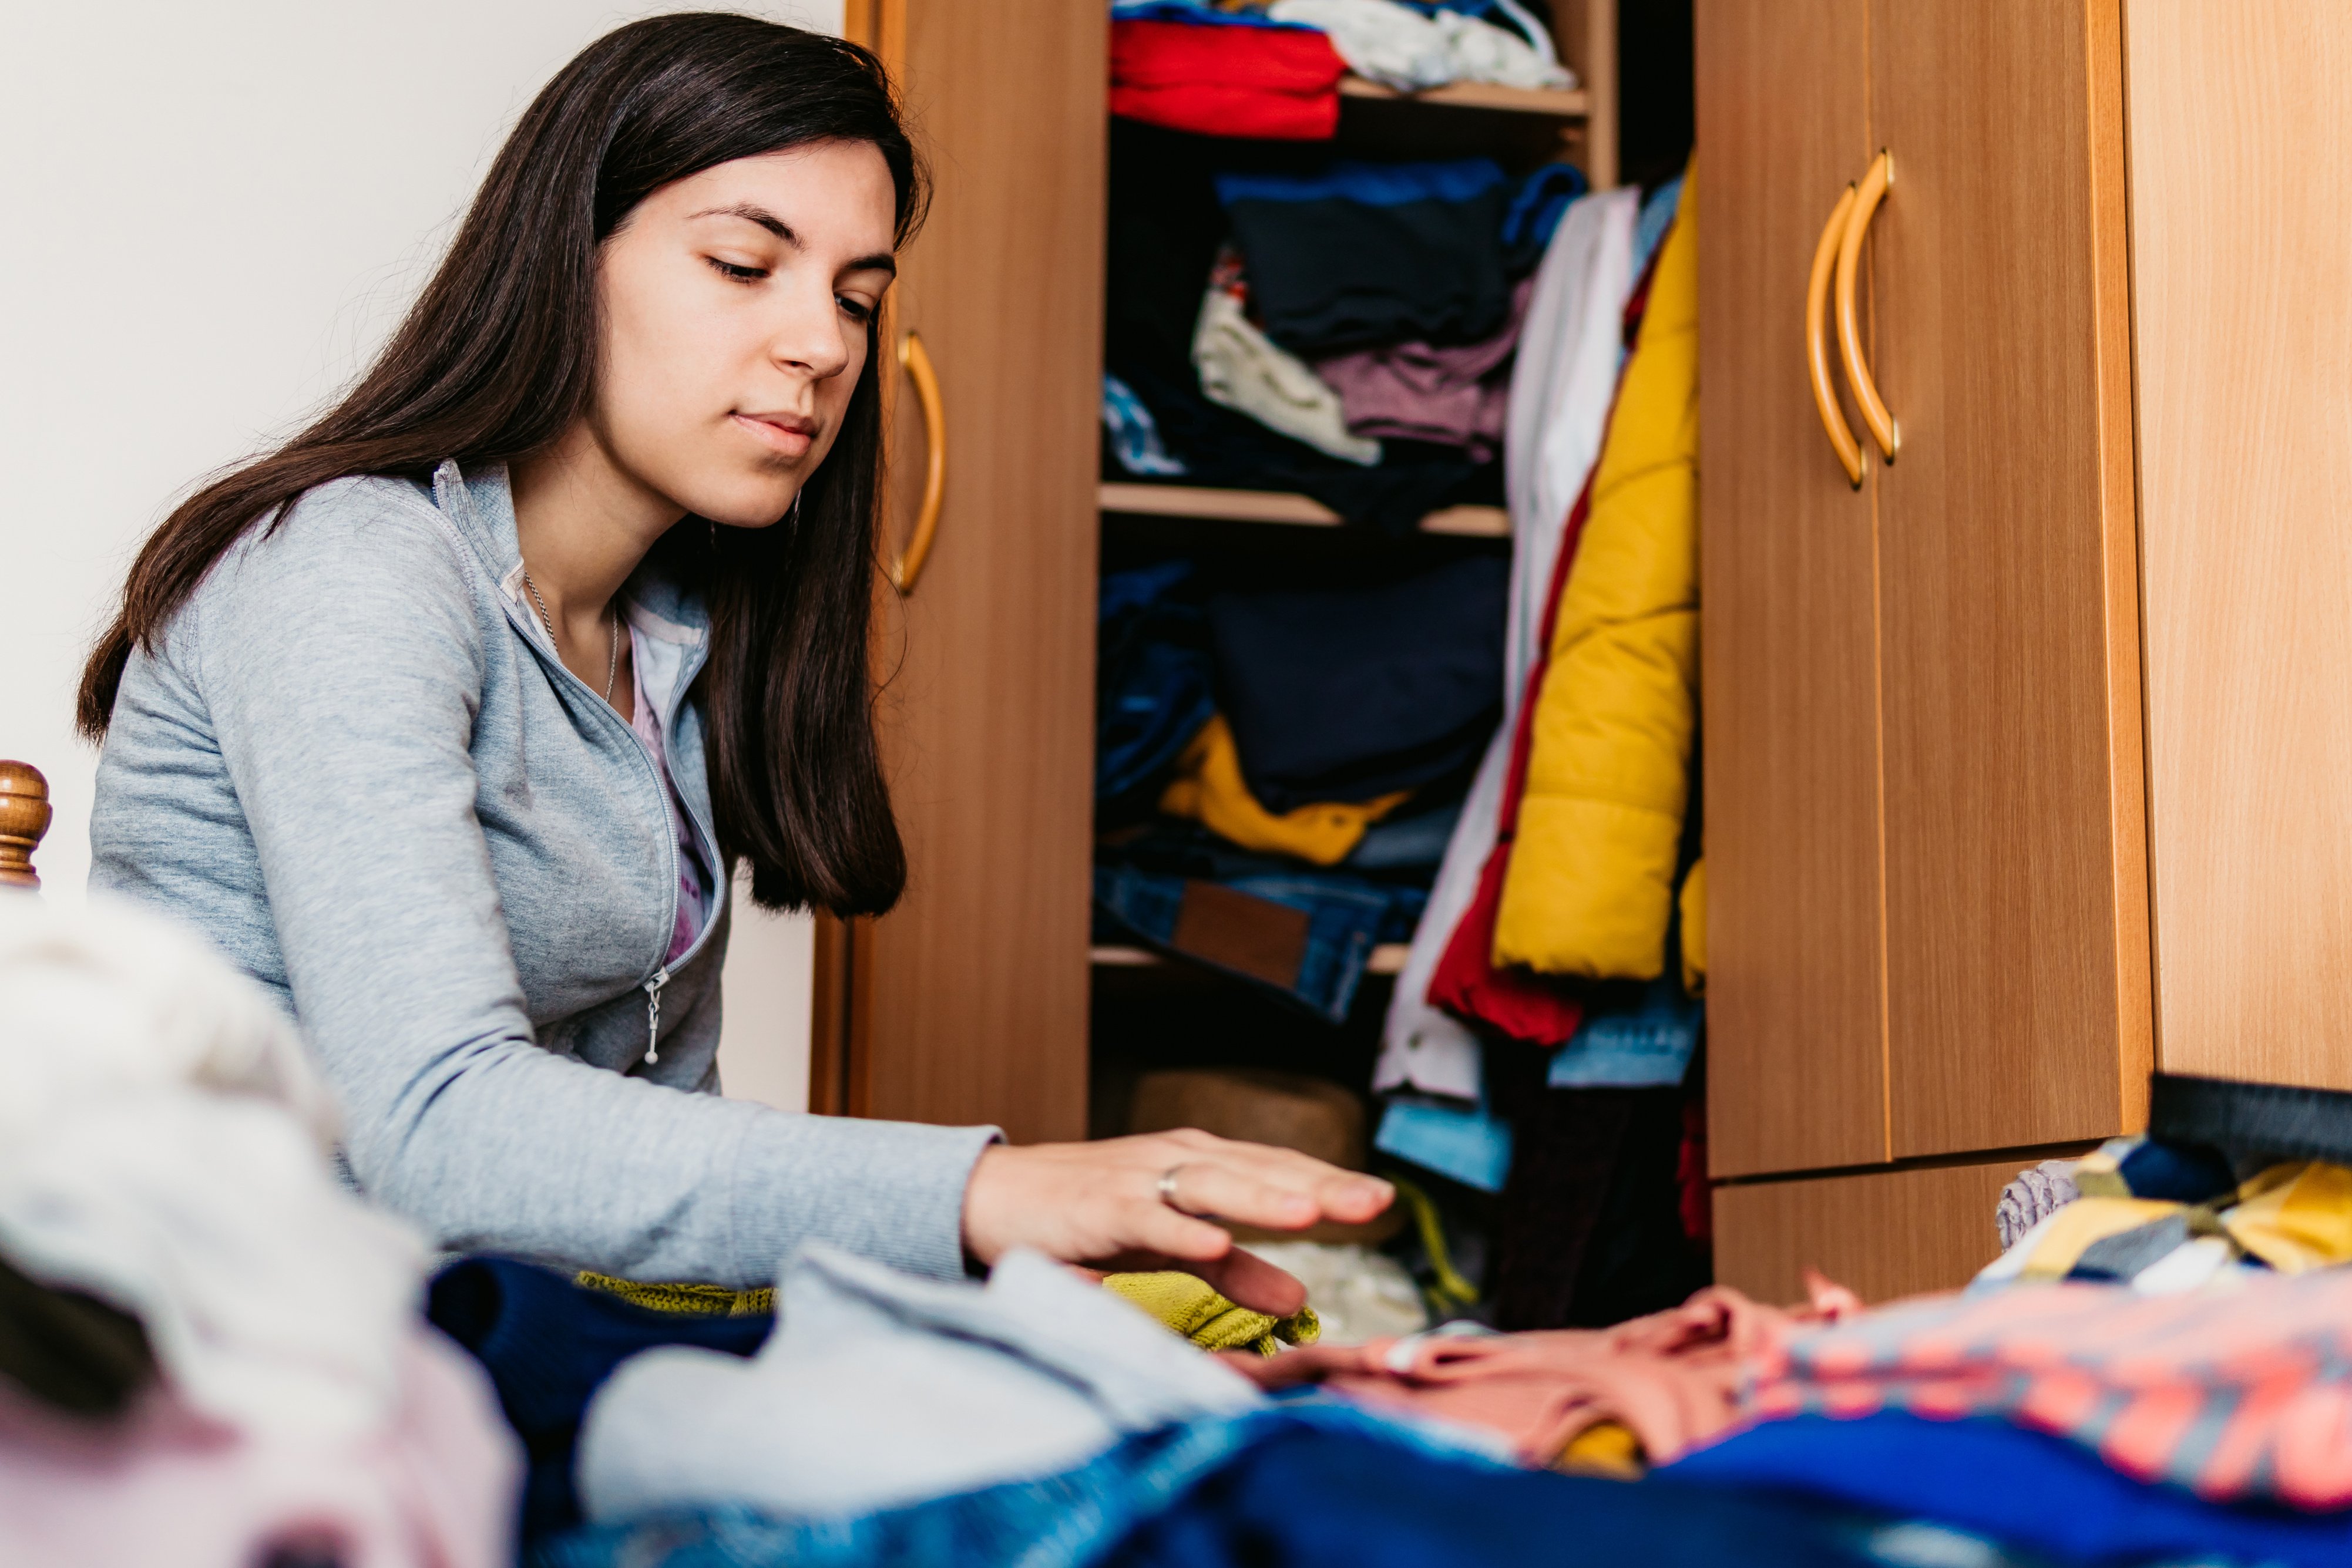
(1455, 396)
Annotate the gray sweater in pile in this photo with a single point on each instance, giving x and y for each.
(356, 764)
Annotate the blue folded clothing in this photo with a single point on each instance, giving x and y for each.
(1373, 185)
(549, 1344)
(1301, 1485)
(2025, 1489)
(1359, 254)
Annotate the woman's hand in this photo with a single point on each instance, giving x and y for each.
(1102, 1204)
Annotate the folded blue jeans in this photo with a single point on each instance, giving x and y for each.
(1306, 937)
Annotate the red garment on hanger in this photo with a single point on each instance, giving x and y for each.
(1220, 79)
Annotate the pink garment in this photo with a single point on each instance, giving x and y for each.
(436, 1490)
(693, 876)
(1457, 396)
(1672, 1379)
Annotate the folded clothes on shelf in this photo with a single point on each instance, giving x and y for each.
(1134, 434)
(1305, 932)
(1209, 789)
(1412, 50)
(1243, 369)
(1350, 694)
(1453, 396)
(1361, 252)
(1197, 71)
(1152, 678)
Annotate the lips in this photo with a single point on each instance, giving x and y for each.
(786, 435)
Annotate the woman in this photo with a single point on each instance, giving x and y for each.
(450, 719)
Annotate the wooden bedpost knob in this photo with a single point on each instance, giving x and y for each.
(23, 818)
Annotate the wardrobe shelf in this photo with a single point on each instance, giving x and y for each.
(1388, 959)
(1560, 103)
(1279, 507)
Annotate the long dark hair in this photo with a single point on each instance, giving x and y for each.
(499, 357)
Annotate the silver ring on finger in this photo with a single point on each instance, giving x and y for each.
(1168, 1189)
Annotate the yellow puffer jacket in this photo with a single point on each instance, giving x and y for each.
(1591, 878)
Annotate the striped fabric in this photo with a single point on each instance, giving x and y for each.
(2238, 1394)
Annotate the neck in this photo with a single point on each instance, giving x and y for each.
(583, 523)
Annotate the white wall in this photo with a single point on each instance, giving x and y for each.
(210, 215)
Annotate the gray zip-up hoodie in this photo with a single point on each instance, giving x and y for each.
(357, 765)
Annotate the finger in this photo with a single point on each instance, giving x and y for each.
(1349, 1196)
(1153, 1227)
(1249, 1280)
(1211, 1186)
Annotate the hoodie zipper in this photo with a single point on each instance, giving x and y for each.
(652, 987)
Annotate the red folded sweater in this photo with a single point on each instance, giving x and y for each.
(1277, 83)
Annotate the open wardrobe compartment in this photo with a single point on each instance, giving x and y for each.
(1984, 778)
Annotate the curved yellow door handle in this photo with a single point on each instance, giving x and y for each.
(1817, 348)
(1883, 428)
(917, 365)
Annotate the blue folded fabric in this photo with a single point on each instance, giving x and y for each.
(1134, 434)
(1541, 200)
(2025, 1488)
(1414, 842)
(1658, 209)
(549, 1344)
(1317, 960)
(1152, 687)
(1199, 12)
(1463, 1142)
(1645, 1042)
(1315, 1500)
(1373, 185)
(1303, 1484)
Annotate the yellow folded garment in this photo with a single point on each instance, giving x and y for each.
(1604, 1449)
(1190, 1305)
(2294, 1217)
(687, 1299)
(1208, 788)
(2074, 1229)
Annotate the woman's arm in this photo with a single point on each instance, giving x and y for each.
(342, 663)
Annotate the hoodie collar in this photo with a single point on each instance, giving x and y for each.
(481, 505)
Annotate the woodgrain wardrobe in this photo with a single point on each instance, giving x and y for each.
(2026, 748)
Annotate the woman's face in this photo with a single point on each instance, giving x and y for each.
(735, 304)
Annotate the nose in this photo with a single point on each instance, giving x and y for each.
(811, 332)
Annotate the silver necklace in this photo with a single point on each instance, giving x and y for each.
(611, 660)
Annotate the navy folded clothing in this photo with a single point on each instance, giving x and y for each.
(549, 1344)
(1151, 690)
(2025, 1488)
(1305, 1500)
(1348, 694)
(1374, 252)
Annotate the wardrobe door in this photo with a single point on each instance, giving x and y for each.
(1796, 1054)
(968, 1002)
(2239, 216)
(2017, 978)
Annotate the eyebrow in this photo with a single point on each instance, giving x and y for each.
(751, 212)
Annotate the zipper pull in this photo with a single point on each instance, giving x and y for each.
(653, 1017)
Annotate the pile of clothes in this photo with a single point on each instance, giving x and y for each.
(1272, 68)
(1281, 319)
(210, 1351)
(213, 1354)
(1279, 770)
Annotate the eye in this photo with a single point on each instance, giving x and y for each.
(857, 309)
(728, 269)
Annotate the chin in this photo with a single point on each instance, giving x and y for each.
(752, 503)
